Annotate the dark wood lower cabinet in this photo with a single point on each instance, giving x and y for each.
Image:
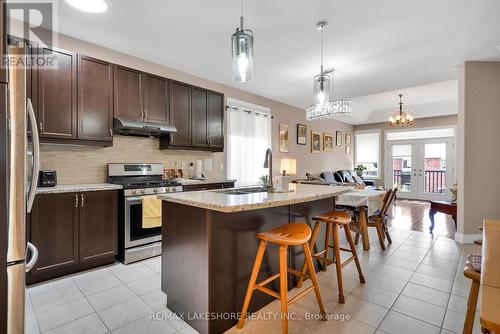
(54, 231)
(73, 232)
(98, 225)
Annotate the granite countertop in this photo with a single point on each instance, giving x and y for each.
(186, 182)
(69, 188)
(219, 201)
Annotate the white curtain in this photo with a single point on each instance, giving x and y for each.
(249, 136)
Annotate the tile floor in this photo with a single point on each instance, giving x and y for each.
(415, 286)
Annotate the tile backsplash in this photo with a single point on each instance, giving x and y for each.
(83, 164)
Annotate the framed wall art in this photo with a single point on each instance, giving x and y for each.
(284, 135)
(315, 142)
(301, 134)
(338, 138)
(327, 142)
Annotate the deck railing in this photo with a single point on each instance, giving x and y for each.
(435, 180)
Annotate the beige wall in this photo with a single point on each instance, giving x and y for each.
(64, 159)
(419, 123)
(478, 145)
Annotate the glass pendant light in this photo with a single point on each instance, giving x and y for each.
(401, 118)
(324, 105)
(242, 46)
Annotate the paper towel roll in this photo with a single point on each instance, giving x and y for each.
(198, 169)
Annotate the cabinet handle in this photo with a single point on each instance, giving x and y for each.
(41, 127)
(83, 200)
(76, 200)
(145, 114)
(111, 132)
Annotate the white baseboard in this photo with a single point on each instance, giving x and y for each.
(467, 238)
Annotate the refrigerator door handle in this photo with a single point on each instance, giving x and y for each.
(34, 256)
(36, 156)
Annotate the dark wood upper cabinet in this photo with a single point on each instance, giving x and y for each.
(128, 93)
(98, 225)
(54, 231)
(216, 120)
(56, 95)
(156, 98)
(199, 116)
(95, 99)
(180, 113)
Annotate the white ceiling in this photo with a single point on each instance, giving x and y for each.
(375, 46)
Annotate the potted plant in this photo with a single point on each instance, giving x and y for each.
(359, 170)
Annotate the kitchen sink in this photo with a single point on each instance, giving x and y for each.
(243, 191)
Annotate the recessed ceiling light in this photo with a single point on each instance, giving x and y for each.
(89, 6)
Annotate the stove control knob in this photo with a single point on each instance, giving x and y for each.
(143, 191)
(155, 190)
(134, 192)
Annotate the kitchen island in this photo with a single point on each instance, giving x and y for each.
(209, 246)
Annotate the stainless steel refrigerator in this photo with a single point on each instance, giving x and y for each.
(22, 166)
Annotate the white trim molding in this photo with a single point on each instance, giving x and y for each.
(467, 238)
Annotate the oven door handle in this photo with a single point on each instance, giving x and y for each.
(133, 199)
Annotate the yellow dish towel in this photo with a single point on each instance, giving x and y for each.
(151, 212)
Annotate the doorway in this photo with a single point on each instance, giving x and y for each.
(420, 169)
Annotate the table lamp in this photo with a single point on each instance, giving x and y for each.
(288, 166)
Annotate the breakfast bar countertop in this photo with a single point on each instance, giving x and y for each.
(69, 188)
(219, 200)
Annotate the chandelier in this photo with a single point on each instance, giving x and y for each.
(324, 105)
(242, 48)
(401, 118)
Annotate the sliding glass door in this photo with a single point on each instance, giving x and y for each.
(420, 169)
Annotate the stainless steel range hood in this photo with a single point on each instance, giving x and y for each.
(136, 128)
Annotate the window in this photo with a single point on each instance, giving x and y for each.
(249, 136)
(368, 152)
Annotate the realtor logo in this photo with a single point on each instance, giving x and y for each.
(33, 22)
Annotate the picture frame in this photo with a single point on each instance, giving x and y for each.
(284, 136)
(327, 142)
(348, 138)
(301, 134)
(338, 138)
(315, 142)
(348, 149)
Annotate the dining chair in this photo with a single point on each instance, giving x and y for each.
(379, 220)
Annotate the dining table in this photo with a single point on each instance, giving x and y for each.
(367, 202)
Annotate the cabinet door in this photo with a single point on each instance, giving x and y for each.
(54, 231)
(95, 99)
(180, 113)
(128, 94)
(56, 92)
(156, 99)
(98, 224)
(216, 120)
(199, 113)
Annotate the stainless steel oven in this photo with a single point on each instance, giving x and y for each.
(141, 182)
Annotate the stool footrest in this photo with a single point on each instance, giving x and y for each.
(300, 295)
(269, 279)
(320, 258)
(267, 291)
(298, 273)
(346, 262)
(345, 249)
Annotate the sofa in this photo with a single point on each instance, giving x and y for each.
(342, 177)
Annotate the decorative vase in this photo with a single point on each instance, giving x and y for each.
(359, 172)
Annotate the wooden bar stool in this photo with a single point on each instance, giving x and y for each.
(293, 234)
(475, 276)
(334, 219)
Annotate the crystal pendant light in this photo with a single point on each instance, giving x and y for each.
(242, 46)
(401, 118)
(324, 105)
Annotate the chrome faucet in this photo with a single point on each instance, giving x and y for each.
(268, 163)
